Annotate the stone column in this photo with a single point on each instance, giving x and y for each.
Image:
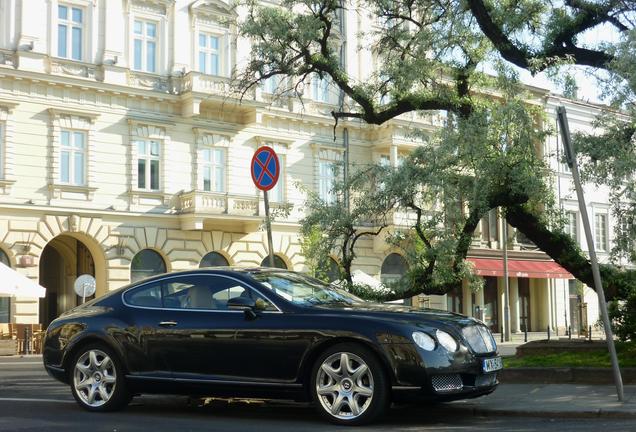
(515, 325)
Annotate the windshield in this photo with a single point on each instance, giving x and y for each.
(304, 290)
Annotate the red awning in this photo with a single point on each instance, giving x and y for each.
(520, 268)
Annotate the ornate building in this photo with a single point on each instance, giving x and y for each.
(124, 154)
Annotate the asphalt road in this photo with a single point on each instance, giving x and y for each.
(31, 401)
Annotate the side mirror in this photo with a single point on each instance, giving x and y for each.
(245, 304)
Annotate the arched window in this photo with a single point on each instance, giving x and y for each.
(145, 264)
(213, 259)
(4, 258)
(278, 262)
(394, 267)
(333, 271)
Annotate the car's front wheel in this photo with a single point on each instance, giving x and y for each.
(349, 385)
(97, 380)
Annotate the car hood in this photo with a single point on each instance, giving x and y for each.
(399, 313)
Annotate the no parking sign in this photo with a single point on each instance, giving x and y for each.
(265, 168)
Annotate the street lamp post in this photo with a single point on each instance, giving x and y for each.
(571, 160)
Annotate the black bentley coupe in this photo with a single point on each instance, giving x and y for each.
(266, 333)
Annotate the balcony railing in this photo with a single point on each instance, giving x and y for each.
(210, 203)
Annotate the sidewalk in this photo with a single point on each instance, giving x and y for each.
(550, 400)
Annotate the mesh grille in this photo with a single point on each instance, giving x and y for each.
(485, 380)
(479, 338)
(446, 383)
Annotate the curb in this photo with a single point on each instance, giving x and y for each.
(564, 375)
(487, 412)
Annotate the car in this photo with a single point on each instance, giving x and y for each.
(266, 333)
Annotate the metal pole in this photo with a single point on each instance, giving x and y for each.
(506, 282)
(268, 225)
(571, 159)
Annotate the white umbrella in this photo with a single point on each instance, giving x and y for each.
(15, 284)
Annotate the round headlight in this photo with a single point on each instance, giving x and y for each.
(424, 341)
(446, 340)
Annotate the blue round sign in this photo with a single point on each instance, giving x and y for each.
(265, 168)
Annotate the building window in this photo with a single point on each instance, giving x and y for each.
(210, 57)
(213, 166)
(393, 268)
(600, 232)
(320, 89)
(326, 181)
(70, 29)
(146, 263)
(571, 224)
(148, 157)
(213, 259)
(73, 157)
(145, 46)
(278, 262)
(277, 193)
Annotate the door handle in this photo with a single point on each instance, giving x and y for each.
(168, 323)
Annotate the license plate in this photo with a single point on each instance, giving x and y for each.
(492, 364)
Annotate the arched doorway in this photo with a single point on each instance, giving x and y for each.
(146, 263)
(63, 259)
(213, 259)
(278, 262)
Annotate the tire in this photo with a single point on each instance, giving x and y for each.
(356, 395)
(97, 379)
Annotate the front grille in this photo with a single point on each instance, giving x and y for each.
(480, 339)
(446, 383)
(485, 380)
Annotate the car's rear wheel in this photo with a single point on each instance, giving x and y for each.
(349, 385)
(97, 379)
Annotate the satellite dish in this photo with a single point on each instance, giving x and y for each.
(84, 286)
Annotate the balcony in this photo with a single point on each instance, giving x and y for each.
(198, 208)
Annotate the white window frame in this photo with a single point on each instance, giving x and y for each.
(326, 180)
(70, 25)
(72, 150)
(145, 40)
(601, 231)
(89, 31)
(215, 166)
(208, 51)
(277, 194)
(326, 155)
(319, 89)
(148, 157)
(572, 224)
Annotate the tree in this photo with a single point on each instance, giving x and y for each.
(431, 54)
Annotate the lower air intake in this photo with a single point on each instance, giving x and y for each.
(447, 383)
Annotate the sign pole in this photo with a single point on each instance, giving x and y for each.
(571, 160)
(268, 225)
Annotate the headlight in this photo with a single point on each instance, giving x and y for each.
(424, 341)
(447, 341)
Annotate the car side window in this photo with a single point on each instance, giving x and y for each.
(203, 292)
(146, 296)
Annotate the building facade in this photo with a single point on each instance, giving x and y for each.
(123, 153)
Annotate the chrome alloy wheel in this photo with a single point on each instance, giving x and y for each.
(344, 385)
(94, 378)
